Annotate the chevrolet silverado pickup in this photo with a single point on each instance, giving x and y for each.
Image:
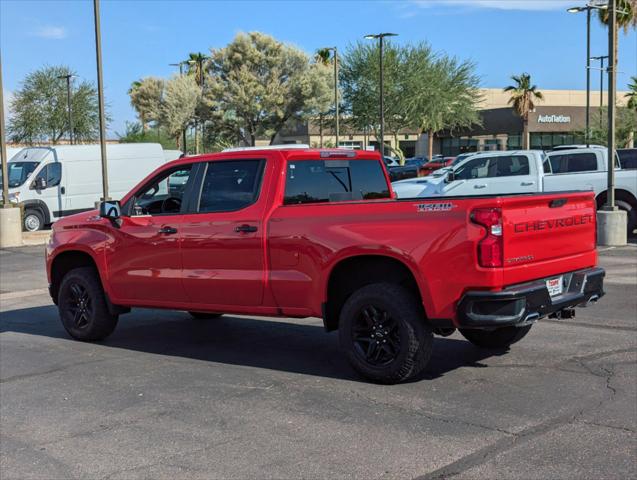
(526, 171)
(319, 233)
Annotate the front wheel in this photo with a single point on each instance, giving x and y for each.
(383, 331)
(82, 306)
(33, 221)
(498, 338)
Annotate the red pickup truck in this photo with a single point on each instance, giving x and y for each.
(318, 233)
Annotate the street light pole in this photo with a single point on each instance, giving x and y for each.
(601, 59)
(592, 5)
(588, 77)
(68, 77)
(336, 93)
(380, 37)
(100, 96)
(3, 148)
(181, 72)
(612, 39)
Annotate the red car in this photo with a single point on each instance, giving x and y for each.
(318, 233)
(435, 164)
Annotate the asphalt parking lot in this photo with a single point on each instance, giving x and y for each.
(167, 396)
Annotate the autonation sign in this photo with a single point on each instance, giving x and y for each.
(554, 119)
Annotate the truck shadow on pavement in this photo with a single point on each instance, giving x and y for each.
(267, 343)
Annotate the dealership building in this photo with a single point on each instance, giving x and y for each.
(559, 119)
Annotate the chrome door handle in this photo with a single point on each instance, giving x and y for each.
(480, 186)
(527, 184)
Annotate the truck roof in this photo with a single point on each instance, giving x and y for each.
(287, 151)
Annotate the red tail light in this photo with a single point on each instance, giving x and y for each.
(490, 248)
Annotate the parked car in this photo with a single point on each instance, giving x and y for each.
(318, 233)
(53, 182)
(436, 164)
(410, 169)
(627, 158)
(527, 171)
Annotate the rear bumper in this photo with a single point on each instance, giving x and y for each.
(522, 304)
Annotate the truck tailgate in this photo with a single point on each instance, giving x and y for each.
(548, 234)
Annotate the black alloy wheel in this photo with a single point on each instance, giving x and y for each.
(376, 336)
(79, 305)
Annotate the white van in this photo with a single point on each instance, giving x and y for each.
(53, 182)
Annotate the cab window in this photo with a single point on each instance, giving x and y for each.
(230, 185)
(574, 162)
(314, 181)
(164, 195)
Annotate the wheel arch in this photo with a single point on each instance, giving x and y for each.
(620, 194)
(41, 207)
(353, 272)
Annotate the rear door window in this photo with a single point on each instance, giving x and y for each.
(509, 166)
(315, 181)
(574, 162)
(230, 185)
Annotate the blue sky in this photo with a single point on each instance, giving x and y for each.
(141, 38)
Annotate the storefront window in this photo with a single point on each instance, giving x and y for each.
(451, 147)
(546, 141)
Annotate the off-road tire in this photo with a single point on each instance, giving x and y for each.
(496, 339)
(204, 315)
(410, 331)
(97, 322)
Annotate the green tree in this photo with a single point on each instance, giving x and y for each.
(258, 84)
(632, 94)
(448, 96)
(180, 99)
(145, 97)
(359, 76)
(195, 66)
(523, 97)
(39, 108)
(422, 89)
(625, 127)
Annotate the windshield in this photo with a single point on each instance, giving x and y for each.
(19, 172)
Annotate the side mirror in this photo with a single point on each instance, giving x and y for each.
(451, 177)
(110, 209)
(39, 183)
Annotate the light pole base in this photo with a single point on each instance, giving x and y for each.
(611, 228)
(10, 227)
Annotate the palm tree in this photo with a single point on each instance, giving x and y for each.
(632, 94)
(195, 66)
(523, 97)
(626, 17)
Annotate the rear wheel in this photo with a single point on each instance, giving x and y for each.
(631, 215)
(498, 338)
(383, 331)
(33, 221)
(82, 306)
(204, 315)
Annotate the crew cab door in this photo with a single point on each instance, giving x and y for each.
(492, 175)
(223, 240)
(145, 260)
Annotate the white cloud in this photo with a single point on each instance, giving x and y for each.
(50, 32)
(502, 4)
